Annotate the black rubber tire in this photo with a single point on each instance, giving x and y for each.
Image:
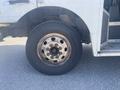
(53, 27)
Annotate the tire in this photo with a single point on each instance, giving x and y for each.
(45, 65)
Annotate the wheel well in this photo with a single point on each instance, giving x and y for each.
(42, 14)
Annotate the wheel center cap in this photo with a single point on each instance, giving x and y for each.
(54, 51)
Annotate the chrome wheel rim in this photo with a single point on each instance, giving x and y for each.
(54, 48)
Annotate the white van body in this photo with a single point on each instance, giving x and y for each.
(91, 13)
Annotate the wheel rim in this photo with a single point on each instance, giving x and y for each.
(54, 48)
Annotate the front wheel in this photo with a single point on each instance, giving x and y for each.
(53, 48)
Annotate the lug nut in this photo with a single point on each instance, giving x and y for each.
(52, 57)
(47, 49)
(60, 48)
(57, 56)
(51, 45)
(56, 45)
(48, 54)
(60, 53)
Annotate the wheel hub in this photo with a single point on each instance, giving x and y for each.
(54, 48)
(54, 51)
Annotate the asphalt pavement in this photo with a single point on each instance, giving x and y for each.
(91, 73)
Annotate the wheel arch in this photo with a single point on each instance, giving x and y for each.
(42, 14)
